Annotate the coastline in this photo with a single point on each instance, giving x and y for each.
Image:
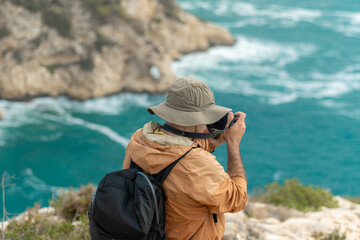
(101, 54)
(266, 221)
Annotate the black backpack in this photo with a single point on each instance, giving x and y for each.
(129, 204)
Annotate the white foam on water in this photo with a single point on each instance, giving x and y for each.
(100, 129)
(355, 113)
(67, 119)
(321, 86)
(277, 176)
(285, 16)
(245, 22)
(344, 22)
(30, 180)
(30, 183)
(50, 138)
(331, 103)
(111, 105)
(17, 114)
(248, 51)
(187, 5)
(195, 5)
(222, 9)
(347, 23)
(31, 187)
(203, 4)
(266, 60)
(342, 108)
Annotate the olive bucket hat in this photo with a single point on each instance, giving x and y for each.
(189, 102)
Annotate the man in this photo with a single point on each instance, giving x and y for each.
(198, 190)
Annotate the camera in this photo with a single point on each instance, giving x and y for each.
(221, 124)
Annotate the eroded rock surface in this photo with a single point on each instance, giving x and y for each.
(265, 222)
(98, 52)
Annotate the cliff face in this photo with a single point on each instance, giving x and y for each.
(268, 222)
(91, 48)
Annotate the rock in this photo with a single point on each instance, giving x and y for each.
(98, 56)
(1, 115)
(265, 223)
(264, 211)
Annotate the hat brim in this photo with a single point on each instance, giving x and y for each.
(211, 115)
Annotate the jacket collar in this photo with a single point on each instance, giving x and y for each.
(165, 140)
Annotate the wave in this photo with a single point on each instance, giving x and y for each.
(257, 68)
(67, 119)
(30, 186)
(246, 51)
(40, 110)
(100, 129)
(247, 14)
(111, 105)
(285, 16)
(347, 23)
(343, 108)
(289, 16)
(195, 5)
(50, 138)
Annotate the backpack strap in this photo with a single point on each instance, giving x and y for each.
(161, 176)
(134, 165)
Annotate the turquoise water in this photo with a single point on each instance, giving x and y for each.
(295, 71)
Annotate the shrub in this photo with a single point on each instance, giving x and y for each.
(171, 9)
(70, 205)
(38, 39)
(18, 56)
(295, 195)
(38, 227)
(87, 63)
(32, 5)
(57, 17)
(102, 41)
(53, 14)
(335, 235)
(104, 9)
(4, 31)
(353, 199)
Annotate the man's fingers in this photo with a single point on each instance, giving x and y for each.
(240, 115)
(229, 119)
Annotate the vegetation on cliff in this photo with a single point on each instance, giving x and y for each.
(293, 194)
(67, 216)
(53, 13)
(65, 219)
(4, 31)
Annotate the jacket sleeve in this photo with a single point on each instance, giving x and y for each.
(208, 183)
(230, 196)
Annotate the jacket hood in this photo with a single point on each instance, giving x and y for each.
(153, 152)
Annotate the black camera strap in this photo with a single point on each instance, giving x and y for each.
(214, 134)
(179, 132)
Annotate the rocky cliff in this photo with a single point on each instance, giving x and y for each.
(261, 221)
(91, 48)
(258, 221)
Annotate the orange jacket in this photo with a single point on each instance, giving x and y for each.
(196, 188)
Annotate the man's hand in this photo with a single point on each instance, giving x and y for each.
(234, 134)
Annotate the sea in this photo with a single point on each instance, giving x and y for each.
(294, 70)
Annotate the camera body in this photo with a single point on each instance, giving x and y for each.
(221, 124)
